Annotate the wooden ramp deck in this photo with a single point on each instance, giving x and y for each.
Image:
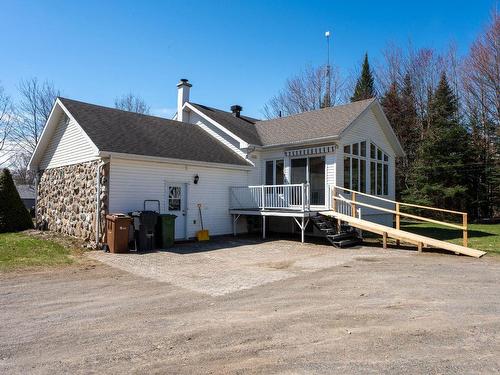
(402, 235)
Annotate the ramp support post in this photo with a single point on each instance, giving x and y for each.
(420, 246)
(384, 240)
(263, 227)
(398, 221)
(235, 219)
(465, 228)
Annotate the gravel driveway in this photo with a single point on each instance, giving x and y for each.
(298, 309)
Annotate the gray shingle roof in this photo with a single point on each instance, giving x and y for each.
(242, 126)
(114, 130)
(321, 123)
(326, 122)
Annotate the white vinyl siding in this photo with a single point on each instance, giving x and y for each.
(330, 176)
(131, 182)
(68, 145)
(367, 128)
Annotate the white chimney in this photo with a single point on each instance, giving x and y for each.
(183, 88)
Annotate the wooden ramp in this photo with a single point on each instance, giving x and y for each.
(402, 235)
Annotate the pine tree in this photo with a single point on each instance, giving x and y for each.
(13, 215)
(439, 176)
(399, 107)
(365, 85)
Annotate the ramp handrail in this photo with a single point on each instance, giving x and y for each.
(397, 212)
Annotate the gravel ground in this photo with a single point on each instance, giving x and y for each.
(329, 311)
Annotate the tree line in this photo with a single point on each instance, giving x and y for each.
(445, 110)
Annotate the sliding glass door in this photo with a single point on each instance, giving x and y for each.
(310, 170)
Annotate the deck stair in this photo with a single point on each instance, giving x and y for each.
(346, 237)
(344, 211)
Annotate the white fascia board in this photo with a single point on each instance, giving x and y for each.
(243, 144)
(158, 159)
(389, 131)
(47, 132)
(384, 124)
(68, 113)
(42, 142)
(353, 122)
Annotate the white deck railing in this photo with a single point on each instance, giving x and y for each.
(291, 196)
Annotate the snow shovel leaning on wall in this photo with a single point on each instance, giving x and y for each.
(202, 234)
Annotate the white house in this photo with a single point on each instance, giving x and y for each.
(92, 160)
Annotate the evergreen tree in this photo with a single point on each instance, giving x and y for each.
(439, 176)
(13, 215)
(399, 107)
(365, 85)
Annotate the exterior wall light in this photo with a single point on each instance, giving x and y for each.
(196, 179)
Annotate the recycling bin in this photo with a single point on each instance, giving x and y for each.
(165, 231)
(117, 232)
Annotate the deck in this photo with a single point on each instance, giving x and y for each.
(291, 200)
(294, 201)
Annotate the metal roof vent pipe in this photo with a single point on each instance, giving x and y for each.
(236, 109)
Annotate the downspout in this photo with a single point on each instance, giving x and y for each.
(98, 203)
(37, 179)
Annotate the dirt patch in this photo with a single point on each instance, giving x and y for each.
(414, 313)
(77, 245)
(368, 259)
(278, 265)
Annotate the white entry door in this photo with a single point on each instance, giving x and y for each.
(175, 195)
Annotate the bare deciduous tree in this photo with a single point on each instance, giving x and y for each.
(6, 117)
(132, 103)
(20, 172)
(304, 92)
(32, 112)
(481, 71)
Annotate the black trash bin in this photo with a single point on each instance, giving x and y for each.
(147, 228)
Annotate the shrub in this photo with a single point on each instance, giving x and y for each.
(13, 215)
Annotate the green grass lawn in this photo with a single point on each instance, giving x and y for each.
(19, 250)
(484, 237)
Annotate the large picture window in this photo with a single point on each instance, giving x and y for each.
(355, 166)
(356, 162)
(379, 171)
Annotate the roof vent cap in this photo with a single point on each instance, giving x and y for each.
(236, 109)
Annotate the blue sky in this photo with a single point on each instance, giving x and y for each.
(232, 51)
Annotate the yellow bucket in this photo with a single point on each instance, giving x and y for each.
(202, 235)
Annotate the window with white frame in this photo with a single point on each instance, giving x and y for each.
(357, 158)
(275, 172)
(355, 166)
(379, 171)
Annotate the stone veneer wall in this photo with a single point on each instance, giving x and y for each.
(66, 200)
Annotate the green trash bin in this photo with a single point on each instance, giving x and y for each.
(165, 231)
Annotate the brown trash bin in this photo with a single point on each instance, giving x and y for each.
(117, 227)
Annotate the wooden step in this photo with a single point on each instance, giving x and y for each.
(402, 235)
